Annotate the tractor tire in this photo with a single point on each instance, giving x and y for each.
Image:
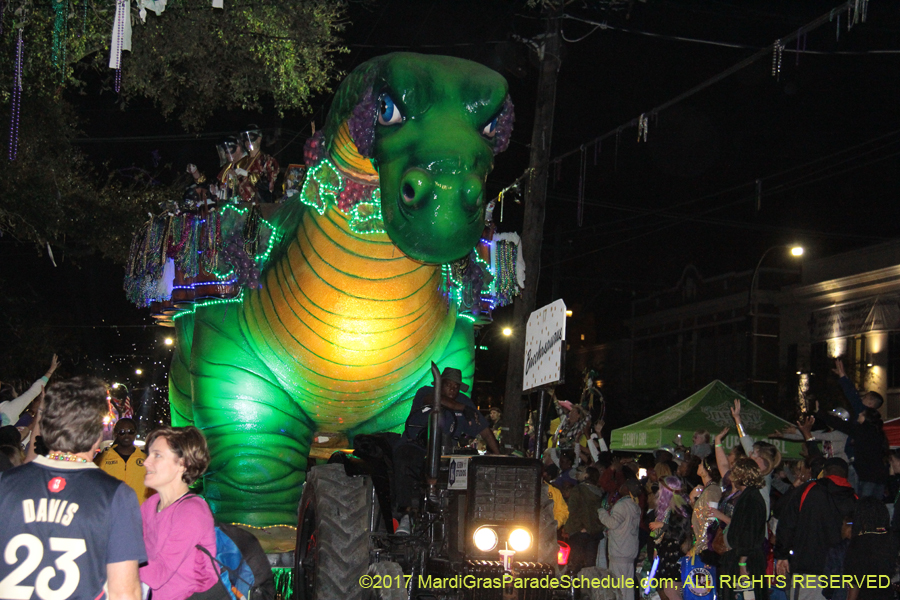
(332, 551)
(387, 574)
(549, 548)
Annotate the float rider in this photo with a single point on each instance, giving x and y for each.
(228, 181)
(199, 193)
(258, 171)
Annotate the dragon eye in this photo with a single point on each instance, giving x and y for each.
(388, 113)
(490, 130)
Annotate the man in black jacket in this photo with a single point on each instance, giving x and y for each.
(810, 525)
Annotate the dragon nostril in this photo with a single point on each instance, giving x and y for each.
(409, 194)
(415, 187)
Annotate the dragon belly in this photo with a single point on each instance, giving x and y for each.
(347, 322)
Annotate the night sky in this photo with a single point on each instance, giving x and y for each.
(822, 138)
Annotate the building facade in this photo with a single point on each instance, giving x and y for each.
(845, 306)
(773, 336)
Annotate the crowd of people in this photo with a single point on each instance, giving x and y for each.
(758, 525)
(128, 516)
(793, 528)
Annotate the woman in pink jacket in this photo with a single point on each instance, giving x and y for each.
(176, 521)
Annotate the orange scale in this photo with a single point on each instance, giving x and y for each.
(374, 324)
(355, 259)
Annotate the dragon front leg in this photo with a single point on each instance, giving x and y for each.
(180, 372)
(258, 436)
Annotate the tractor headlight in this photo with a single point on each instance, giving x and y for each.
(520, 540)
(485, 539)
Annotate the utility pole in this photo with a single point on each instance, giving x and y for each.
(515, 407)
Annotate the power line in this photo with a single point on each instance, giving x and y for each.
(775, 49)
(604, 26)
(727, 222)
(666, 213)
(684, 218)
(771, 191)
(174, 137)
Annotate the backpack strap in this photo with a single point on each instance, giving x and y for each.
(805, 492)
(229, 594)
(232, 573)
(212, 559)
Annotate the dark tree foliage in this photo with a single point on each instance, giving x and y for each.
(194, 60)
(190, 61)
(52, 195)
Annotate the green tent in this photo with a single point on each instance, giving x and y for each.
(707, 409)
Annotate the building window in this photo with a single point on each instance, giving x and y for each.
(893, 404)
(819, 360)
(893, 366)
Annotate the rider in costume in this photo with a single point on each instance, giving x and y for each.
(258, 170)
(228, 180)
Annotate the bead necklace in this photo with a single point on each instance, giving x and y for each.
(65, 456)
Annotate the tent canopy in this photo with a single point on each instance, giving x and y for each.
(710, 409)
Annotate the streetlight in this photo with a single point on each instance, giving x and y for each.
(752, 308)
(507, 331)
(168, 341)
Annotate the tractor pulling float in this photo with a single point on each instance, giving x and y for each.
(487, 529)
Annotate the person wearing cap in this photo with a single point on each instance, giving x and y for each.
(258, 171)
(459, 418)
(623, 522)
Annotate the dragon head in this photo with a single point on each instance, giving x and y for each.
(431, 126)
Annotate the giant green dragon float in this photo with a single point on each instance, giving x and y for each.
(379, 266)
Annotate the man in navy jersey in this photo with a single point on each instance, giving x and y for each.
(69, 531)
